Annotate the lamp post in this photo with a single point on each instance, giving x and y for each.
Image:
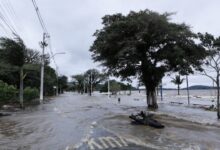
(161, 90)
(57, 88)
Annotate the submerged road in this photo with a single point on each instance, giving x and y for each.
(73, 121)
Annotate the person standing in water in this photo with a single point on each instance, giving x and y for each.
(119, 100)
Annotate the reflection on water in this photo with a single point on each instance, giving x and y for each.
(70, 119)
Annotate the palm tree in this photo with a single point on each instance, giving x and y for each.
(178, 81)
(14, 54)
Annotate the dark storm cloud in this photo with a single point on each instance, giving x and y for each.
(71, 24)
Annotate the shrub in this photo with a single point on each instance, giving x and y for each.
(7, 92)
(30, 93)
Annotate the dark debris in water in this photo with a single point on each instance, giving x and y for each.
(145, 119)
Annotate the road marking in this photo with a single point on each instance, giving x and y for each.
(103, 143)
(111, 141)
(92, 144)
(123, 141)
(118, 141)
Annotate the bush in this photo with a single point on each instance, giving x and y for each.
(30, 93)
(7, 92)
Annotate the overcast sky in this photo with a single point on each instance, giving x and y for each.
(71, 24)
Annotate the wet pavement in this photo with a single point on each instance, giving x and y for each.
(73, 121)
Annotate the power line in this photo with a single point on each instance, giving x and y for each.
(7, 24)
(52, 54)
(44, 28)
(40, 17)
(5, 30)
(10, 7)
(11, 12)
(7, 20)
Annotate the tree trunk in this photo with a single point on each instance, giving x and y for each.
(178, 87)
(90, 91)
(152, 98)
(157, 91)
(218, 109)
(21, 88)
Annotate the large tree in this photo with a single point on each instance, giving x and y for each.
(146, 44)
(79, 82)
(212, 63)
(92, 78)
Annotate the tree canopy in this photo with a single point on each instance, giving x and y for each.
(147, 45)
(13, 51)
(88, 81)
(78, 82)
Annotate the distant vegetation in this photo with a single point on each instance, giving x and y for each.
(93, 80)
(200, 87)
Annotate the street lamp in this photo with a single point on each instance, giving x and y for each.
(58, 54)
(57, 88)
(187, 88)
(44, 44)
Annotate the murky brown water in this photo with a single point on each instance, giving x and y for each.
(73, 120)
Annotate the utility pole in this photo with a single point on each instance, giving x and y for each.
(84, 87)
(43, 44)
(161, 90)
(57, 74)
(187, 84)
(57, 89)
(108, 87)
(91, 83)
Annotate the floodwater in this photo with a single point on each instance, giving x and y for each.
(73, 121)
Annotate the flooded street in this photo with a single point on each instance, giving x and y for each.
(73, 121)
